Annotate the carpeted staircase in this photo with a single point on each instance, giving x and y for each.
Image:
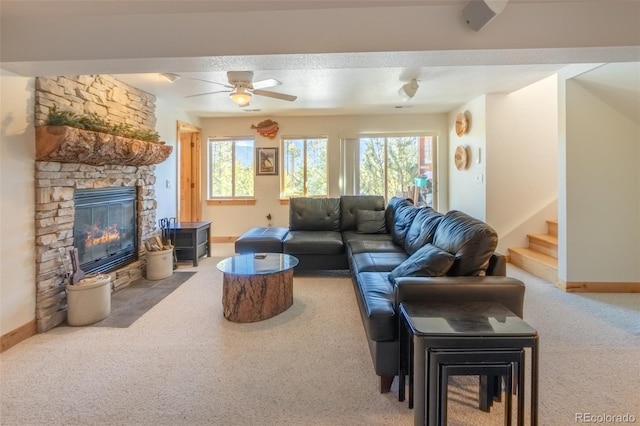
(541, 257)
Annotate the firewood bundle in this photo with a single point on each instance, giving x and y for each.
(155, 243)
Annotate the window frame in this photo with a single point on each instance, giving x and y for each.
(233, 199)
(420, 160)
(305, 139)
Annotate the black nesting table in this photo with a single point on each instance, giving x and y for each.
(475, 338)
(191, 240)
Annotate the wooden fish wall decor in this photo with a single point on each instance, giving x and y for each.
(267, 128)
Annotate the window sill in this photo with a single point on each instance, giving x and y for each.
(232, 202)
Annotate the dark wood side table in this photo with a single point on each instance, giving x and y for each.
(477, 338)
(191, 240)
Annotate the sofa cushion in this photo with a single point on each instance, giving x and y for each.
(422, 229)
(358, 243)
(470, 240)
(348, 236)
(313, 242)
(373, 246)
(350, 204)
(378, 312)
(314, 214)
(403, 216)
(427, 261)
(371, 222)
(377, 262)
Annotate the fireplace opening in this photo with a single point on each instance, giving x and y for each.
(104, 228)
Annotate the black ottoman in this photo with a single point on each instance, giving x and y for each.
(261, 240)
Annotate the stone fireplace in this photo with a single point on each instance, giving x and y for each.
(105, 228)
(56, 186)
(74, 184)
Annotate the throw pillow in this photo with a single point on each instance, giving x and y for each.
(370, 222)
(427, 261)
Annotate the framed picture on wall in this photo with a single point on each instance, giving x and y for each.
(266, 161)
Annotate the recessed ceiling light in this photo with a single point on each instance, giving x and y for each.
(252, 110)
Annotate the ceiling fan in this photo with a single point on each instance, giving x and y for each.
(241, 87)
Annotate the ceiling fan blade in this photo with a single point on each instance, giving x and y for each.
(207, 93)
(276, 95)
(212, 82)
(263, 84)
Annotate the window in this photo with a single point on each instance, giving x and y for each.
(397, 166)
(231, 172)
(304, 167)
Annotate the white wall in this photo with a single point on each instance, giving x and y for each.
(514, 186)
(602, 175)
(166, 125)
(465, 193)
(17, 153)
(235, 220)
(522, 161)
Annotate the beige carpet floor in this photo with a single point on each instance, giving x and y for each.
(182, 363)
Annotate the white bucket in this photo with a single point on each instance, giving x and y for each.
(89, 301)
(159, 264)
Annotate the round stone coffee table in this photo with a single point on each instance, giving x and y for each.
(256, 286)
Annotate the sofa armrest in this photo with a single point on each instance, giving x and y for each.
(505, 290)
(497, 265)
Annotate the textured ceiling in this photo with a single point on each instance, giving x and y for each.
(335, 91)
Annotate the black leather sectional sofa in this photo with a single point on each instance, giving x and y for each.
(395, 252)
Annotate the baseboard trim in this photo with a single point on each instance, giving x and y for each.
(222, 239)
(16, 336)
(598, 287)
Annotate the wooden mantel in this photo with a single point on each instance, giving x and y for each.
(70, 145)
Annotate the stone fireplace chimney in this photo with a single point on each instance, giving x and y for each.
(58, 176)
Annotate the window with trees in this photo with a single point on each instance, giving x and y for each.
(231, 168)
(304, 167)
(397, 166)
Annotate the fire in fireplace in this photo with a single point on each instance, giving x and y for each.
(104, 229)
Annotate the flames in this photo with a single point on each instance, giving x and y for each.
(97, 236)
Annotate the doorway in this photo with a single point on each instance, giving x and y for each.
(189, 146)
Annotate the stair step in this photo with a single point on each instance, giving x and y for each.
(552, 227)
(539, 264)
(544, 243)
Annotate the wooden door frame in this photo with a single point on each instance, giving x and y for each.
(196, 159)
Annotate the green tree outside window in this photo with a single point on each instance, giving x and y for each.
(304, 167)
(231, 168)
(388, 165)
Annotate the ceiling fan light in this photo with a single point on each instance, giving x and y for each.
(408, 91)
(240, 96)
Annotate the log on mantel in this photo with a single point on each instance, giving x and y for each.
(70, 145)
